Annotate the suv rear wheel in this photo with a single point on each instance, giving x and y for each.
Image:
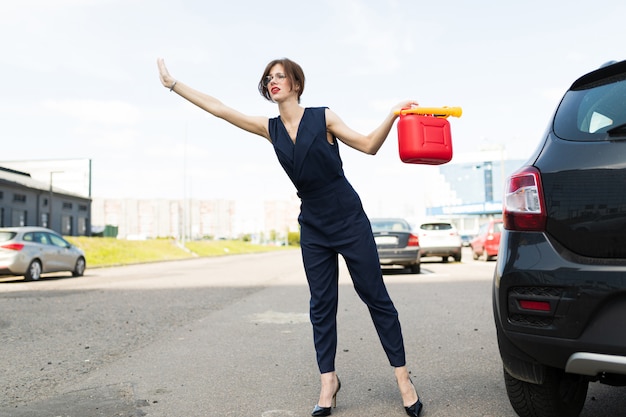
(560, 395)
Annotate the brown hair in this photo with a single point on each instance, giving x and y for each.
(294, 74)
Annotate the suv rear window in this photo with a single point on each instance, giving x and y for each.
(436, 226)
(592, 108)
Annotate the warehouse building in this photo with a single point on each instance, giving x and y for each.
(25, 201)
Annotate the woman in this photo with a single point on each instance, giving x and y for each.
(332, 220)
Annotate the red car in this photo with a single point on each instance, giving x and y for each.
(485, 244)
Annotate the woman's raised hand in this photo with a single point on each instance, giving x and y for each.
(403, 105)
(166, 79)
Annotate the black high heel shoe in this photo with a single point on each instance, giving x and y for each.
(415, 409)
(326, 411)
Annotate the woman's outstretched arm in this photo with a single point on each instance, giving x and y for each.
(253, 124)
(371, 143)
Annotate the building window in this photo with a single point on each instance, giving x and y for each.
(19, 198)
(67, 206)
(1, 195)
(82, 207)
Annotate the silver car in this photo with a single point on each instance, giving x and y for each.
(32, 251)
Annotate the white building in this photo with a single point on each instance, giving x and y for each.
(195, 219)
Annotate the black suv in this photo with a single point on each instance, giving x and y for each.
(559, 290)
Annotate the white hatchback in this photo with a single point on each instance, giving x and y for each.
(440, 239)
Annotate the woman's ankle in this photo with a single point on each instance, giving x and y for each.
(406, 387)
(402, 374)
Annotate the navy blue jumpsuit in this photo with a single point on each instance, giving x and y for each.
(332, 222)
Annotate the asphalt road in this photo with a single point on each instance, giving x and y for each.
(230, 336)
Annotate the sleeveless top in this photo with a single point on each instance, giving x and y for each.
(330, 206)
(311, 162)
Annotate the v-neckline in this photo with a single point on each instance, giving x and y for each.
(294, 139)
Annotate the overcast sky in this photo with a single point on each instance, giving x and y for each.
(79, 80)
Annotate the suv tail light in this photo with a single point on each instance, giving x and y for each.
(13, 246)
(413, 240)
(524, 207)
(534, 305)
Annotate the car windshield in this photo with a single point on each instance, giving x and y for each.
(594, 112)
(390, 225)
(5, 236)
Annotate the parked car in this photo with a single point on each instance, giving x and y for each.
(559, 293)
(32, 251)
(396, 243)
(485, 244)
(440, 239)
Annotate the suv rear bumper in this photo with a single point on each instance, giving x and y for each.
(441, 251)
(585, 363)
(587, 306)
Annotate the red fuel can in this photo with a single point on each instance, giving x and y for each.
(424, 139)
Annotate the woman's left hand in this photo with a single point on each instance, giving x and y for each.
(404, 105)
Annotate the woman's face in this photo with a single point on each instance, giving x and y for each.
(277, 83)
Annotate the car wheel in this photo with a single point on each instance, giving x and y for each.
(444, 259)
(457, 258)
(485, 255)
(560, 395)
(415, 268)
(33, 273)
(79, 269)
(474, 254)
